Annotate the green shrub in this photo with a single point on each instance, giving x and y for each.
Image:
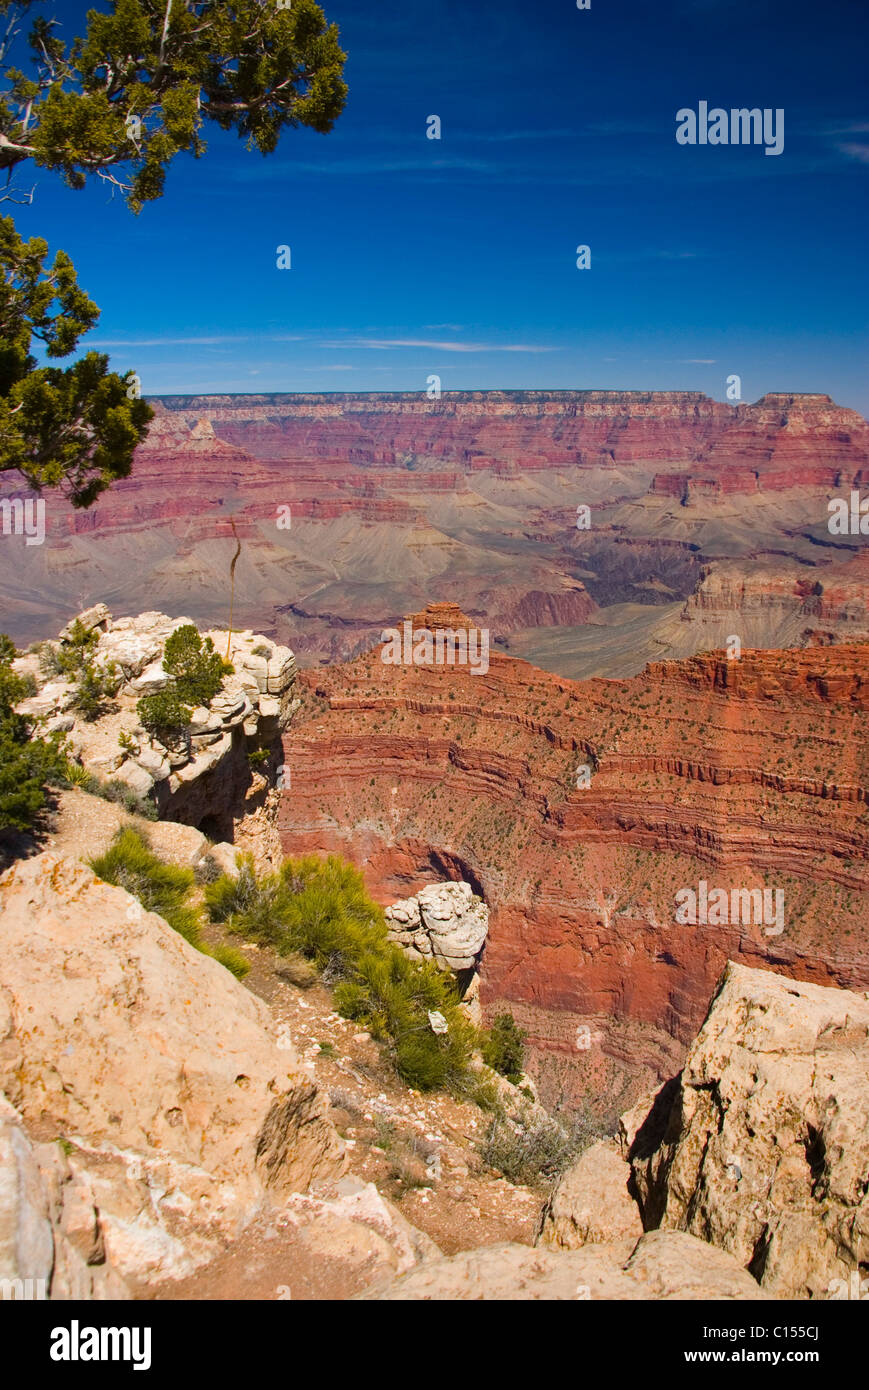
(163, 715)
(233, 959)
(504, 1048)
(71, 655)
(74, 775)
(318, 908)
(195, 666)
(27, 764)
(130, 863)
(258, 756)
(127, 742)
(94, 689)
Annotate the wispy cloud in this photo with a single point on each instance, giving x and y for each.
(434, 344)
(855, 151)
(193, 342)
(699, 361)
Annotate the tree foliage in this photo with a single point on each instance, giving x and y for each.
(196, 667)
(119, 104)
(70, 427)
(26, 764)
(138, 88)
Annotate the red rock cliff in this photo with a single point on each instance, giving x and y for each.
(748, 774)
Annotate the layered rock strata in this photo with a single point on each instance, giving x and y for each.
(579, 811)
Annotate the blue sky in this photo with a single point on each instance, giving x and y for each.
(457, 257)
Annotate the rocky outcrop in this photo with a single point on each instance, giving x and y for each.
(761, 1145)
(662, 1265)
(444, 922)
(205, 773)
(156, 1176)
(48, 1248)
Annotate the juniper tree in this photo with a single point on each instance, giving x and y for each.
(118, 104)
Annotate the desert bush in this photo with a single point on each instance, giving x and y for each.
(123, 795)
(94, 689)
(67, 658)
(539, 1152)
(298, 971)
(127, 742)
(27, 764)
(233, 959)
(196, 668)
(407, 1169)
(164, 715)
(130, 863)
(504, 1048)
(74, 775)
(318, 909)
(207, 870)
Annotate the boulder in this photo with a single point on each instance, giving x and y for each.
(131, 652)
(151, 679)
(40, 1252)
(662, 1265)
(135, 777)
(761, 1145)
(360, 1226)
(26, 1242)
(445, 921)
(54, 698)
(225, 856)
(89, 618)
(591, 1204)
(95, 992)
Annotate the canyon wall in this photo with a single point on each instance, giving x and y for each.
(580, 809)
(352, 510)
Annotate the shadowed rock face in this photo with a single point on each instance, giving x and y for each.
(761, 1146)
(745, 775)
(353, 510)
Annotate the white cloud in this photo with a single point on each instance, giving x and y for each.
(434, 345)
(191, 342)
